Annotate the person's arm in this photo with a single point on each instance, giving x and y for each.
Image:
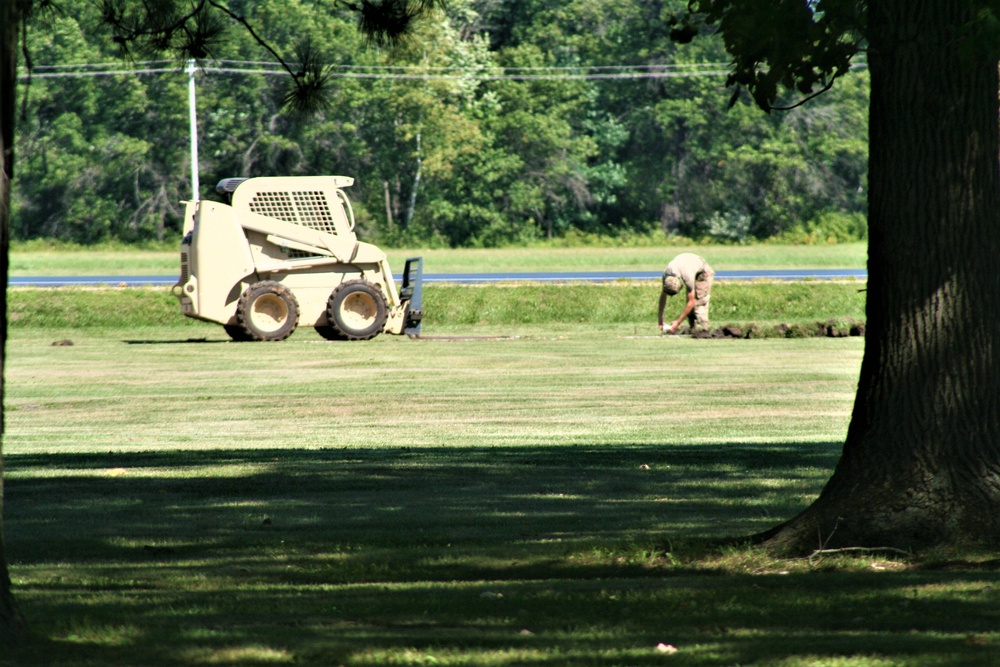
(688, 307)
(659, 314)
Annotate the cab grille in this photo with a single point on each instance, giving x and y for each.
(308, 208)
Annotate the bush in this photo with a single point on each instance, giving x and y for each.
(830, 227)
(732, 226)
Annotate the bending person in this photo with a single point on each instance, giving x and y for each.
(691, 272)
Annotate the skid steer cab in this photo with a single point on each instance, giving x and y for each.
(282, 253)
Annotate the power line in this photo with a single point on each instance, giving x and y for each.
(401, 72)
(398, 72)
(279, 67)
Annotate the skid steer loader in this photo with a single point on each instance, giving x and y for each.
(282, 253)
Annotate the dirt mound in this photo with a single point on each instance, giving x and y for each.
(834, 328)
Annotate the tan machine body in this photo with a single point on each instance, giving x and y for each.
(283, 253)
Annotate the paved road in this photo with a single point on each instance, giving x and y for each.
(573, 276)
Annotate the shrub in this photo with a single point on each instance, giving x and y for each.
(830, 227)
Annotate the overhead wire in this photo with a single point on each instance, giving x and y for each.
(394, 72)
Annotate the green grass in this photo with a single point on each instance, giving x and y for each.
(35, 260)
(543, 498)
(454, 308)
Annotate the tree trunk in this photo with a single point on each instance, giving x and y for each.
(11, 621)
(921, 462)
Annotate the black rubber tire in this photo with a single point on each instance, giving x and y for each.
(267, 311)
(356, 310)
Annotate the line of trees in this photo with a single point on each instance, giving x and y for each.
(477, 159)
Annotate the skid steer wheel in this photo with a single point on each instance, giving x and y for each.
(356, 310)
(267, 311)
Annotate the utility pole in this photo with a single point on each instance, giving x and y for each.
(192, 67)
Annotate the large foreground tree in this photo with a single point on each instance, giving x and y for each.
(11, 14)
(920, 466)
(186, 29)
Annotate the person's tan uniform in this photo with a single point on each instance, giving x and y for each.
(693, 273)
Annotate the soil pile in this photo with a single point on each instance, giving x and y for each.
(828, 329)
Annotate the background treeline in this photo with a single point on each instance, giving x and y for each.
(447, 145)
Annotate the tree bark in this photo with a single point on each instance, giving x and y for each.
(11, 621)
(921, 462)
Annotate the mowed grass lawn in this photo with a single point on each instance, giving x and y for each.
(543, 494)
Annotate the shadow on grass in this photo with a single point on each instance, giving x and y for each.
(423, 497)
(185, 341)
(533, 556)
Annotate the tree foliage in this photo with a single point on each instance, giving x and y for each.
(794, 44)
(497, 124)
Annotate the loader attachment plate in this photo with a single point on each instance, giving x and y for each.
(411, 291)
